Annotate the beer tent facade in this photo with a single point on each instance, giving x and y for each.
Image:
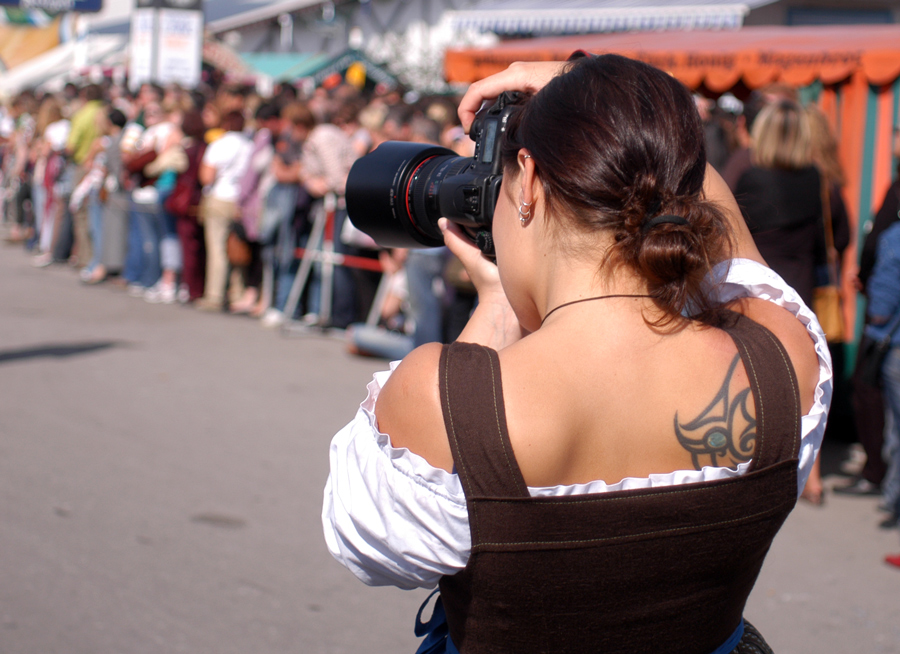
(852, 71)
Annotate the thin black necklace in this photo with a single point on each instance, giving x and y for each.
(589, 299)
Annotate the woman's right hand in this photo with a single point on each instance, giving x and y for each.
(493, 323)
(482, 271)
(526, 76)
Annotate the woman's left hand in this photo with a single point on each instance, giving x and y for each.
(493, 323)
(527, 76)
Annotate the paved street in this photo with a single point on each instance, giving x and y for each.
(160, 488)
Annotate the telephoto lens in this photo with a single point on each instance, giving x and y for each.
(393, 193)
(397, 193)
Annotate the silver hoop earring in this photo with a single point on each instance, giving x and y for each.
(524, 212)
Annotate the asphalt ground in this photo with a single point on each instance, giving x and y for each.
(161, 474)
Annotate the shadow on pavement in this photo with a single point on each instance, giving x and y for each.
(57, 350)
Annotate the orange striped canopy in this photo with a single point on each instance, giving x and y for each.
(717, 60)
(858, 67)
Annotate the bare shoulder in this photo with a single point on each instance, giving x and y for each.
(793, 336)
(408, 408)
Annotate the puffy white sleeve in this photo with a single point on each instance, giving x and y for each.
(388, 516)
(745, 278)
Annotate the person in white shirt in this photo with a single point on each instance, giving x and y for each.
(224, 163)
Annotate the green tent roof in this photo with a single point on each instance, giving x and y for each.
(289, 66)
(285, 66)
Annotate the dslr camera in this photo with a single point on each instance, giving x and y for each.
(397, 193)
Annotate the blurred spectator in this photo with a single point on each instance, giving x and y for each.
(53, 134)
(867, 400)
(184, 203)
(425, 267)
(824, 152)
(88, 194)
(115, 204)
(17, 191)
(325, 163)
(255, 184)
(74, 237)
(221, 170)
(780, 195)
(142, 265)
(886, 216)
(829, 267)
(883, 314)
(286, 211)
(739, 160)
(714, 132)
(170, 162)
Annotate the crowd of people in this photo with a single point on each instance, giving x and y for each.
(206, 197)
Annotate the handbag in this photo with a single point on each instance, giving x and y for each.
(827, 299)
(827, 307)
(237, 247)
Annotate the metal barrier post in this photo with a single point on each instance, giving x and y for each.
(321, 249)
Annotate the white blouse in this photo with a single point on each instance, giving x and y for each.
(393, 519)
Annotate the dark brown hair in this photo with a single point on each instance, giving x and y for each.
(233, 121)
(93, 92)
(615, 143)
(298, 113)
(192, 125)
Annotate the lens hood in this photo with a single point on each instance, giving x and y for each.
(378, 195)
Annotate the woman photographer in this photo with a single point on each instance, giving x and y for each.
(586, 469)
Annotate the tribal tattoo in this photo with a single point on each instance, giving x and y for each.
(724, 434)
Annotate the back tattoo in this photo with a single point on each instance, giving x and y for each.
(724, 434)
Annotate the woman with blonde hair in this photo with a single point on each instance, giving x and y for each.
(780, 195)
(833, 238)
(50, 137)
(824, 153)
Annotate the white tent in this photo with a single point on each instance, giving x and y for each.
(559, 17)
(60, 62)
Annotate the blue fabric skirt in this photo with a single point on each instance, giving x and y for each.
(438, 641)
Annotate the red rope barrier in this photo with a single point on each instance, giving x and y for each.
(347, 260)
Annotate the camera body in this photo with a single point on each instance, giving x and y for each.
(397, 193)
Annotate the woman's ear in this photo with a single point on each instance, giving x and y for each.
(528, 176)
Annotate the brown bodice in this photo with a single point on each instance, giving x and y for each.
(631, 572)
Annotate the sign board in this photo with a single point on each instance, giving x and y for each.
(179, 47)
(166, 42)
(56, 6)
(141, 53)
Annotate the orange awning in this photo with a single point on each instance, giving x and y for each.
(859, 66)
(716, 60)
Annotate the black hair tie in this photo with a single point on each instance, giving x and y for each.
(659, 220)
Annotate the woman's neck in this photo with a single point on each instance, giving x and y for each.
(574, 279)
